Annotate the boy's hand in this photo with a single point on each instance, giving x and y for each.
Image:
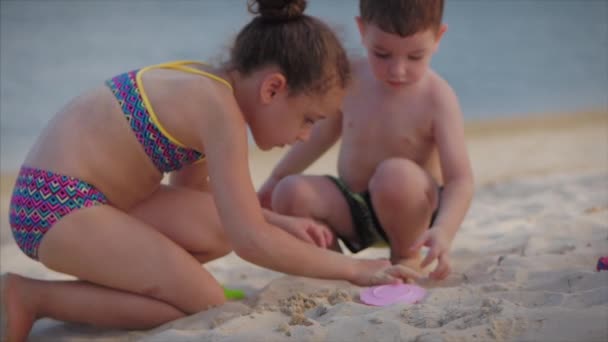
(439, 245)
(265, 192)
(311, 231)
(379, 272)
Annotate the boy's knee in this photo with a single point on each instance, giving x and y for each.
(398, 180)
(289, 194)
(393, 177)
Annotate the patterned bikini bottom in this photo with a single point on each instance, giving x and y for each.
(40, 199)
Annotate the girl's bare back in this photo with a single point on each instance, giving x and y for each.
(91, 139)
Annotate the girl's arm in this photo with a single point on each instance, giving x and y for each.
(276, 219)
(224, 135)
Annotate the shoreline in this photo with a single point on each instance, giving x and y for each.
(533, 122)
(495, 145)
(480, 128)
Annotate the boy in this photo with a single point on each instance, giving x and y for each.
(404, 172)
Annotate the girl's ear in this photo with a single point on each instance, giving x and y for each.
(272, 84)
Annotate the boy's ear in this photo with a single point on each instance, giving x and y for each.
(272, 84)
(440, 32)
(360, 25)
(442, 29)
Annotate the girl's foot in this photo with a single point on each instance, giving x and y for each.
(17, 320)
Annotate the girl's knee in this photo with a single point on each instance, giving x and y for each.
(208, 301)
(218, 251)
(218, 242)
(208, 294)
(190, 299)
(218, 298)
(213, 242)
(224, 248)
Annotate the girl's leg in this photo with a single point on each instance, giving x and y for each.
(404, 197)
(28, 299)
(187, 217)
(119, 259)
(315, 197)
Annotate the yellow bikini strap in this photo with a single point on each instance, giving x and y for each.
(183, 66)
(176, 65)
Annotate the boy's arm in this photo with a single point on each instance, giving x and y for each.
(455, 165)
(324, 134)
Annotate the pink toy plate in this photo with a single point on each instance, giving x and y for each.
(390, 294)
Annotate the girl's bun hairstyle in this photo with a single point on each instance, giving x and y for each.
(304, 48)
(278, 10)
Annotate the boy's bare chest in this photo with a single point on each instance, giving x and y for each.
(388, 130)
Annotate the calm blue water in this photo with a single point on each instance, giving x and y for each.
(503, 57)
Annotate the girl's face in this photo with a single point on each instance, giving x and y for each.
(287, 119)
(398, 61)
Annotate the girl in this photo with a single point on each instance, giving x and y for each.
(89, 200)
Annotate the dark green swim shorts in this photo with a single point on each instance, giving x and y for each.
(366, 224)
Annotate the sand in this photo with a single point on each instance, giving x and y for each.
(524, 259)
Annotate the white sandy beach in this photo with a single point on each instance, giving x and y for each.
(524, 260)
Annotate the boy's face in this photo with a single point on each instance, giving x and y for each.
(395, 60)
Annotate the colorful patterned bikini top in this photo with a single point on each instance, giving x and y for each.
(165, 151)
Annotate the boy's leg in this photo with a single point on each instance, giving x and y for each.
(187, 217)
(131, 275)
(404, 197)
(315, 197)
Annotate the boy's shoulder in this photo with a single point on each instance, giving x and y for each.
(360, 72)
(359, 67)
(438, 86)
(359, 63)
(441, 94)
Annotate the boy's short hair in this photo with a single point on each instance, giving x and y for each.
(402, 17)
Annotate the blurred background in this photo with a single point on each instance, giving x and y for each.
(504, 58)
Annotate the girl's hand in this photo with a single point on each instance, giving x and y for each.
(379, 272)
(439, 245)
(311, 231)
(265, 192)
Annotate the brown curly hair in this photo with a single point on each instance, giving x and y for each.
(305, 49)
